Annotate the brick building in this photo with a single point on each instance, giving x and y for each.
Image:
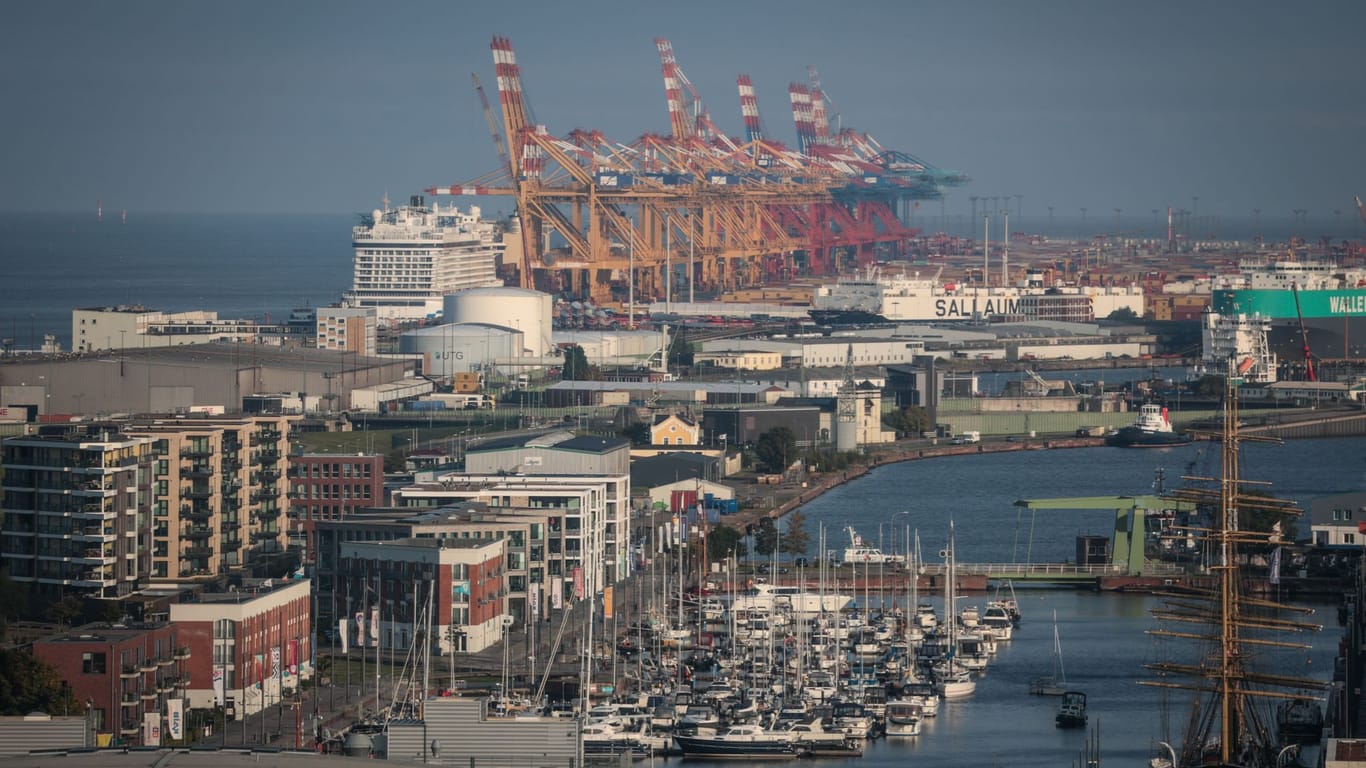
(126, 675)
(330, 487)
(247, 646)
(469, 598)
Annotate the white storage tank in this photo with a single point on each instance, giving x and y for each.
(520, 309)
(450, 349)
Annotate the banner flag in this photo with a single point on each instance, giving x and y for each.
(218, 686)
(175, 719)
(344, 631)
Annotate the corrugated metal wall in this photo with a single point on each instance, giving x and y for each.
(21, 735)
(469, 741)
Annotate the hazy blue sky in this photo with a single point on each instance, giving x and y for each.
(322, 106)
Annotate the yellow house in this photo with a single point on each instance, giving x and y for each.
(675, 430)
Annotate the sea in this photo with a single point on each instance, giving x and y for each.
(241, 266)
(1102, 635)
(254, 266)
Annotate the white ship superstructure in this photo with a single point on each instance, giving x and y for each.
(1239, 337)
(408, 258)
(874, 297)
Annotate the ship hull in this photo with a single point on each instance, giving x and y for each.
(1131, 437)
(1334, 319)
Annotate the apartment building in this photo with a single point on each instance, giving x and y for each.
(132, 678)
(76, 509)
(537, 564)
(218, 500)
(387, 587)
(329, 487)
(585, 541)
(249, 648)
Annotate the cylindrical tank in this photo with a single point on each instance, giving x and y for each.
(517, 308)
(450, 349)
(846, 435)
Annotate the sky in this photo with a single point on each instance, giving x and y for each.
(309, 106)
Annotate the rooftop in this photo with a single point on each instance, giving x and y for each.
(559, 440)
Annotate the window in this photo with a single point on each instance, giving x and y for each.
(1349, 538)
(93, 663)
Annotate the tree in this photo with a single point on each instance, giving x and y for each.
(909, 421)
(776, 449)
(765, 537)
(28, 685)
(1123, 315)
(795, 540)
(576, 366)
(638, 433)
(722, 541)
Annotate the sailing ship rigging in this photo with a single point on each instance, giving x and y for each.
(1232, 719)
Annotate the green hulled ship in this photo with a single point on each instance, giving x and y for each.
(1332, 302)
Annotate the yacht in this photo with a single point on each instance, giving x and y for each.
(769, 598)
(739, 742)
(903, 717)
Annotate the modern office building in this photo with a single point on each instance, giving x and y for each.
(348, 329)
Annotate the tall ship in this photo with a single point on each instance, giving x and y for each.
(1245, 645)
(409, 257)
(876, 297)
(1330, 299)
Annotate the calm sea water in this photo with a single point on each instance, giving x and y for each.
(248, 266)
(1102, 636)
(241, 266)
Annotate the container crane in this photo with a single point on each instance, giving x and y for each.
(1310, 374)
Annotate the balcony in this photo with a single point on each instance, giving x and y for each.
(197, 492)
(165, 661)
(91, 532)
(231, 464)
(265, 515)
(197, 551)
(199, 472)
(267, 456)
(165, 684)
(264, 536)
(183, 652)
(149, 694)
(195, 452)
(266, 435)
(128, 672)
(97, 510)
(129, 699)
(130, 728)
(196, 532)
(268, 475)
(148, 665)
(231, 544)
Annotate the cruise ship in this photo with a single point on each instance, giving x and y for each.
(408, 258)
(1330, 299)
(874, 297)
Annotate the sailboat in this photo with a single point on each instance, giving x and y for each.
(1056, 683)
(955, 681)
(1232, 720)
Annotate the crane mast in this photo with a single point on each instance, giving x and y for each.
(1309, 373)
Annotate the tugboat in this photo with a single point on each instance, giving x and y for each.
(1152, 429)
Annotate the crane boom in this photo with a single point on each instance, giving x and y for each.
(498, 142)
(1361, 209)
(1310, 374)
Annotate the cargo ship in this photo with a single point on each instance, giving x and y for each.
(876, 298)
(1332, 301)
